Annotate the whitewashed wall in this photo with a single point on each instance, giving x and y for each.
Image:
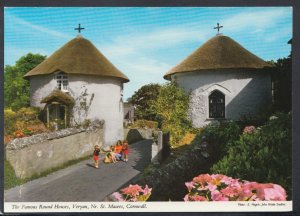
(106, 103)
(245, 92)
(40, 87)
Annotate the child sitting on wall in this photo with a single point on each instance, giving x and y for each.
(96, 156)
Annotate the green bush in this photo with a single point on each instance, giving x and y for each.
(144, 124)
(172, 106)
(220, 136)
(263, 156)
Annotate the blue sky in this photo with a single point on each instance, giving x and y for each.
(144, 43)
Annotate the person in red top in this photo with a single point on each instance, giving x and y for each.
(118, 150)
(125, 150)
(96, 156)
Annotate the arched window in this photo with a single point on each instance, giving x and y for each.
(62, 81)
(216, 104)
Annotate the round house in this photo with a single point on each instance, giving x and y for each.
(225, 81)
(78, 84)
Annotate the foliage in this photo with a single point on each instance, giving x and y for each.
(171, 106)
(264, 155)
(143, 99)
(282, 81)
(144, 124)
(16, 88)
(257, 120)
(23, 122)
(219, 187)
(133, 193)
(187, 139)
(219, 136)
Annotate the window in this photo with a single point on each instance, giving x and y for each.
(62, 81)
(216, 104)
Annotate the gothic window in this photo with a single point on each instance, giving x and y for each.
(216, 104)
(62, 81)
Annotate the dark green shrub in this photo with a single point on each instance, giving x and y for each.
(263, 156)
(219, 136)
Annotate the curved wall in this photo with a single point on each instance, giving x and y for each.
(95, 98)
(246, 92)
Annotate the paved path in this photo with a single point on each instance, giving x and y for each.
(82, 182)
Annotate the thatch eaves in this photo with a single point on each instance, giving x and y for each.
(58, 97)
(78, 56)
(220, 52)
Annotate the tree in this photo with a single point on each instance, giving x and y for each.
(282, 81)
(143, 99)
(172, 106)
(16, 88)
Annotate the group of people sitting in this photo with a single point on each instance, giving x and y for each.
(118, 152)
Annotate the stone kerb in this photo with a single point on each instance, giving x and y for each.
(41, 152)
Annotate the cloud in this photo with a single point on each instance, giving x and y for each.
(256, 21)
(157, 39)
(12, 53)
(44, 30)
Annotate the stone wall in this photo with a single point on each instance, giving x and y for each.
(168, 181)
(136, 134)
(41, 152)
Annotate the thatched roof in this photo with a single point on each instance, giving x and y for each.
(58, 96)
(78, 56)
(220, 52)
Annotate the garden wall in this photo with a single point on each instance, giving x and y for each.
(136, 134)
(168, 181)
(41, 152)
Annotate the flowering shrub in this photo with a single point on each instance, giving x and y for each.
(219, 187)
(263, 156)
(23, 133)
(133, 193)
(249, 130)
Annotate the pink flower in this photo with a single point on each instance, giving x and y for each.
(186, 198)
(189, 185)
(132, 190)
(223, 188)
(202, 179)
(211, 187)
(147, 190)
(230, 191)
(217, 196)
(118, 196)
(249, 129)
(197, 198)
(272, 192)
(133, 193)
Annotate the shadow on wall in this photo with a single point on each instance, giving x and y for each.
(133, 135)
(254, 96)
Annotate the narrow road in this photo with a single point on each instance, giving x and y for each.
(82, 182)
